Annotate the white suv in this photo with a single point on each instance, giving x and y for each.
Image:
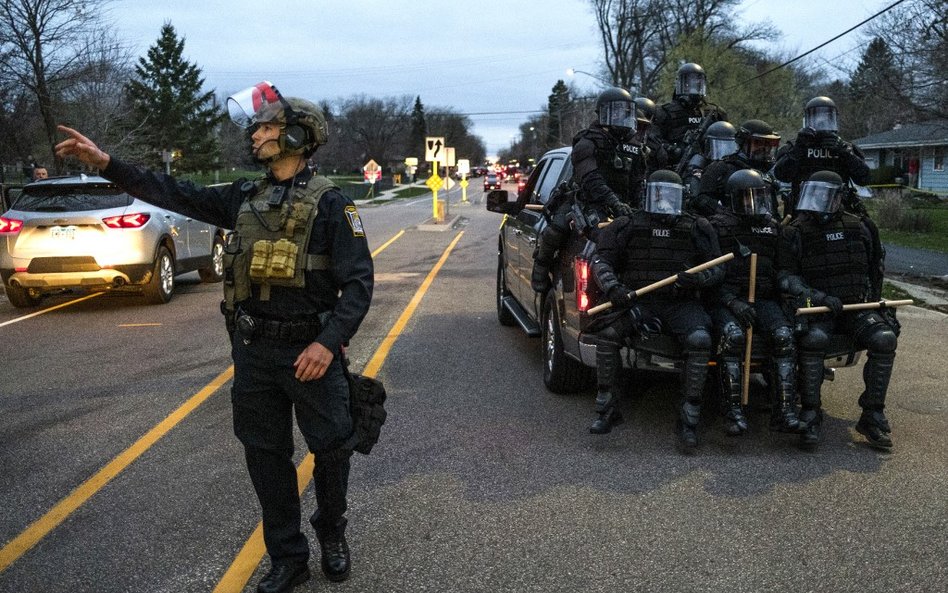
(84, 233)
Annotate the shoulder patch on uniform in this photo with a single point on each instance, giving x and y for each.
(355, 223)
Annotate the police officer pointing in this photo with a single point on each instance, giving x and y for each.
(298, 282)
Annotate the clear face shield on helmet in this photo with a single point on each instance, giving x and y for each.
(753, 201)
(821, 119)
(718, 148)
(254, 105)
(662, 197)
(763, 150)
(691, 83)
(820, 196)
(618, 114)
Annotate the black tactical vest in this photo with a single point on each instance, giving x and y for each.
(622, 165)
(679, 120)
(834, 258)
(760, 237)
(818, 158)
(657, 247)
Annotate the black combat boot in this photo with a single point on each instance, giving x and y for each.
(607, 370)
(783, 417)
(330, 482)
(335, 561)
(540, 279)
(872, 423)
(811, 415)
(694, 374)
(735, 422)
(284, 576)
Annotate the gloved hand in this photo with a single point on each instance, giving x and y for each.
(689, 280)
(621, 297)
(620, 208)
(806, 135)
(744, 311)
(834, 303)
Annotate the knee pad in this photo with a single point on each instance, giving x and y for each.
(698, 339)
(608, 337)
(883, 340)
(814, 339)
(732, 339)
(783, 342)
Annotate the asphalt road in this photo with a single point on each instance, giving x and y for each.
(483, 481)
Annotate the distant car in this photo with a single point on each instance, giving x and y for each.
(491, 181)
(84, 233)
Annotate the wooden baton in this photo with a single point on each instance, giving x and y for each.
(749, 339)
(666, 281)
(855, 306)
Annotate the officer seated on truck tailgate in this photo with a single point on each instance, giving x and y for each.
(652, 244)
(829, 257)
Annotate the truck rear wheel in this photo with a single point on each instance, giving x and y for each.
(561, 374)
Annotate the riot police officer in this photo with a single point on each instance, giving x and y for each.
(718, 143)
(654, 243)
(609, 168)
(747, 221)
(831, 257)
(298, 282)
(680, 123)
(757, 143)
(818, 147)
(645, 114)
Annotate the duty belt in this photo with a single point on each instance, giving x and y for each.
(249, 327)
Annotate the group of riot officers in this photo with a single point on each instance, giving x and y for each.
(665, 189)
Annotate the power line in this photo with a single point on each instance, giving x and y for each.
(825, 43)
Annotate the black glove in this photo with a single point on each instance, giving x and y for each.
(689, 280)
(620, 208)
(806, 135)
(744, 311)
(621, 297)
(834, 303)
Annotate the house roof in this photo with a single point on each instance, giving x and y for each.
(926, 133)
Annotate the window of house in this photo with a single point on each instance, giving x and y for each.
(939, 163)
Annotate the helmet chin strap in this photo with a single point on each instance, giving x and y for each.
(269, 159)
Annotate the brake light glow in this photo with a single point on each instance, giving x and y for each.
(581, 270)
(126, 221)
(10, 225)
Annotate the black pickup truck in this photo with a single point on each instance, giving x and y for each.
(560, 317)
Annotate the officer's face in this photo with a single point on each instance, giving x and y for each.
(40, 173)
(265, 140)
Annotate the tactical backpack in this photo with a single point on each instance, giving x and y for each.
(367, 407)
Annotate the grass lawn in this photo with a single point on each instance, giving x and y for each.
(935, 240)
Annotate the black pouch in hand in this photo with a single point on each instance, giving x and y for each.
(367, 407)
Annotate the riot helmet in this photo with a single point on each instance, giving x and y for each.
(302, 124)
(691, 83)
(664, 193)
(820, 114)
(616, 111)
(821, 193)
(749, 193)
(758, 142)
(719, 140)
(644, 114)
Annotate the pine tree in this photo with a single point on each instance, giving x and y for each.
(169, 111)
(876, 92)
(558, 106)
(419, 130)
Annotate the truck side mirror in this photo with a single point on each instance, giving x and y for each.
(499, 200)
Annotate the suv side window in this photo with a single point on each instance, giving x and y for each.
(550, 178)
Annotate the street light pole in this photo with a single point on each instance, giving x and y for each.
(574, 72)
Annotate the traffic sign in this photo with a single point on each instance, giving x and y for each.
(464, 166)
(434, 182)
(434, 148)
(449, 161)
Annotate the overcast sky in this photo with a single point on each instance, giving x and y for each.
(478, 58)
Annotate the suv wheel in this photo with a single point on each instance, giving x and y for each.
(20, 297)
(561, 374)
(161, 285)
(215, 273)
(503, 315)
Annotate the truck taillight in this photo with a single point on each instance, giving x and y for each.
(126, 221)
(581, 269)
(10, 225)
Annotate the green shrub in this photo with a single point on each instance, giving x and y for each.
(883, 175)
(896, 214)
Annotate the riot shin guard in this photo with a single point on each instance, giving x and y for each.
(608, 363)
(735, 422)
(811, 381)
(783, 417)
(544, 256)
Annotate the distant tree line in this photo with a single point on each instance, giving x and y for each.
(59, 63)
(902, 75)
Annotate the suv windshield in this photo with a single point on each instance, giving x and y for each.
(77, 199)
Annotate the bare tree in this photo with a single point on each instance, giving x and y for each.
(638, 35)
(41, 43)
